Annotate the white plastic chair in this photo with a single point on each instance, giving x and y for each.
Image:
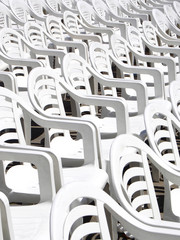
(77, 29)
(160, 20)
(141, 8)
(129, 11)
(69, 5)
(154, 3)
(149, 4)
(20, 10)
(15, 47)
(165, 64)
(83, 105)
(172, 16)
(117, 13)
(39, 37)
(65, 213)
(54, 7)
(16, 115)
(159, 45)
(162, 128)
(8, 18)
(122, 53)
(104, 13)
(102, 61)
(131, 181)
(38, 10)
(92, 19)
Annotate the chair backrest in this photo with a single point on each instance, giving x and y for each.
(38, 10)
(135, 40)
(137, 4)
(105, 63)
(151, 34)
(176, 6)
(88, 14)
(172, 15)
(45, 94)
(13, 45)
(161, 21)
(70, 5)
(55, 5)
(54, 27)
(8, 18)
(38, 37)
(72, 22)
(102, 9)
(66, 215)
(130, 175)
(174, 94)
(100, 60)
(34, 33)
(20, 10)
(77, 74)
(126, 5)
(121, 51)
(11, 130)
(162, 128)
(63, 225)
(114, 7)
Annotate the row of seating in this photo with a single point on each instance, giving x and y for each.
(119, 75)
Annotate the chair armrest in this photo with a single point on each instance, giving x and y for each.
(119, 25)
(87, 130)
(81, 46)
(19, 61)
(95, 29)
(159, 59)
(82, 36)
(43, 163)
(117, 103)
(6, 222)
(9, 81)
(143, 11)
(57, 165)
(163, 49)
(48, 52)
(139, 87)
(170, 40)
(143, 17)
(130, 20)
(157, 75)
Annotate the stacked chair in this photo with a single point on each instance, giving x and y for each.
(89, 119)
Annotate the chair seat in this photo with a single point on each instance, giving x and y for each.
(137, 125)
(95, 176)
(24, 178)
(107, 125)
(71, 151)
(31, 222)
